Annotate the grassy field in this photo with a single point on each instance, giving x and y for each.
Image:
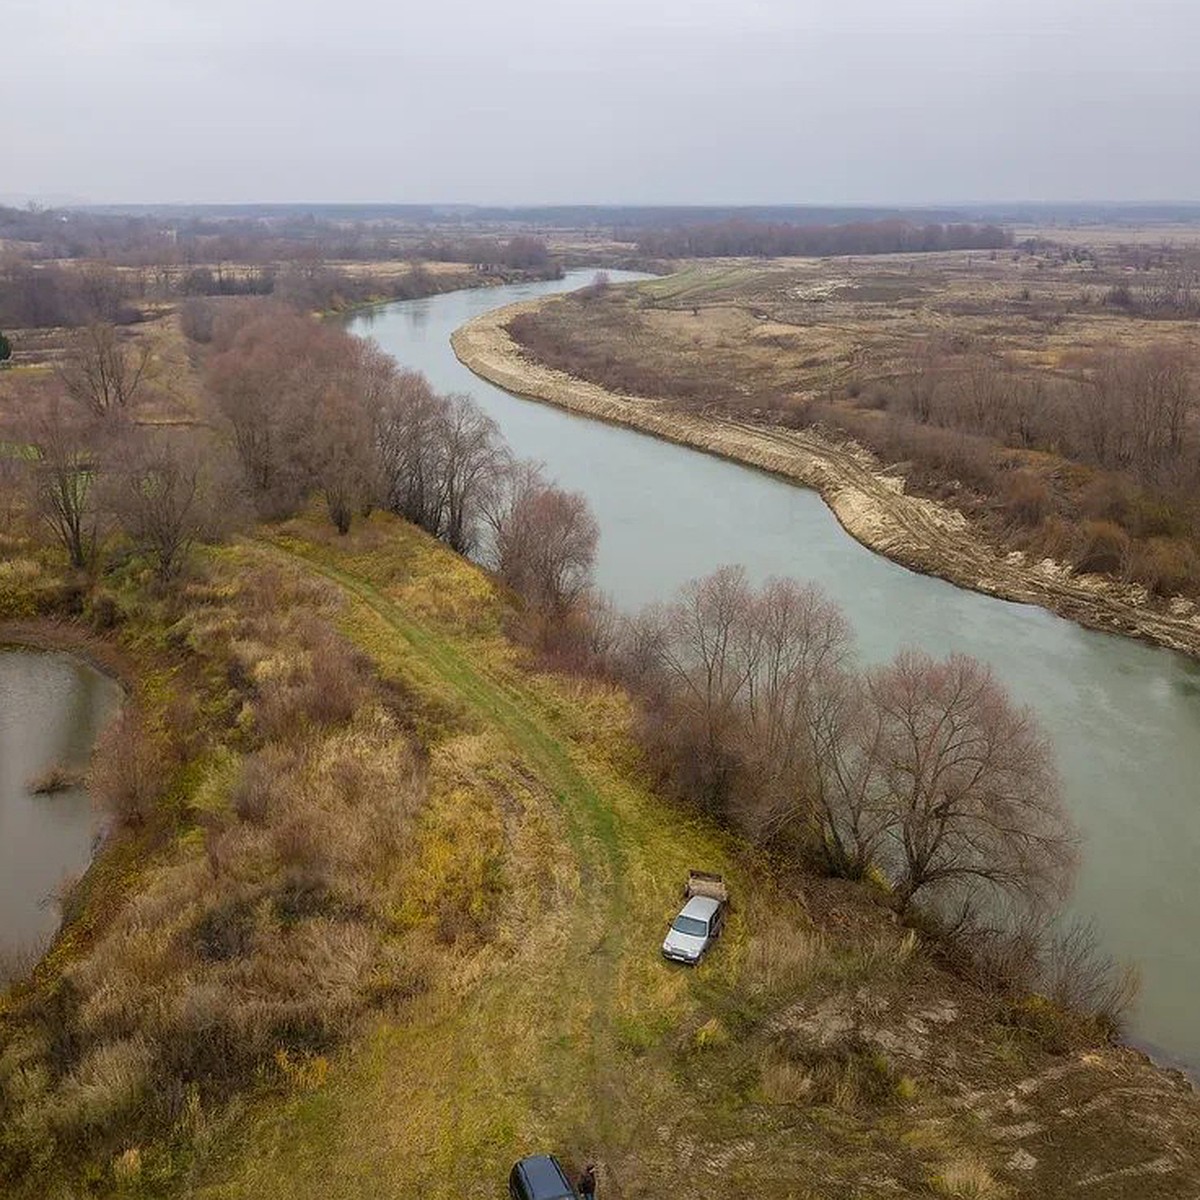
(565, 1026)
(818, 1052)
(789, 327)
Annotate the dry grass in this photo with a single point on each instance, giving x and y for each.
(846, 1072)
(783, 952)
(272, 924)
(55, 778)
(968, 1179)
(786, 1082)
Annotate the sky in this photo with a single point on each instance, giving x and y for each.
(600, 101)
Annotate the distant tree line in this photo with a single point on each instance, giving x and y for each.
(738, 237)
(49, 295)
(180, 240)
(46, 295)
(522, 252)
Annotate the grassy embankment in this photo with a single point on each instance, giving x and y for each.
(818, 1052)
(510, 934)
(568, 1032)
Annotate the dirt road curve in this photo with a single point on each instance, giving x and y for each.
(870, 503)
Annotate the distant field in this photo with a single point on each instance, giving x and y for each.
(1177, 233)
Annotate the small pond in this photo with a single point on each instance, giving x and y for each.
(52, 708)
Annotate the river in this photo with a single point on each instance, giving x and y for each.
(1125, 717)
(52, 707)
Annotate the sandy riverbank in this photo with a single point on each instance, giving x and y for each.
(870, 502)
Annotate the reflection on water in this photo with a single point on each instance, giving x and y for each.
(52, 708)
(1125, 717)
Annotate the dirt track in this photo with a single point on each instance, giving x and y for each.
(870, 503)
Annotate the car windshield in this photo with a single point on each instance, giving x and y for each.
(690, 925)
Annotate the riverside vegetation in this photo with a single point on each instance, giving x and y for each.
(367, 798)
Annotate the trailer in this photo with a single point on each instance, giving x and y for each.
(700, 921)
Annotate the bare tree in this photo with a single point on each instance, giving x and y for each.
(973, 804)
(165, 495)
(409, 428)
(793, 641)
(104, 292)
(472, 460)
(767, 717)
(811, 737)
(544, 544)
(1161, 394)
(442, 460)
(703, 673)
(340, 451)
(920, 387)
(65, 469)
(265, 384)
(102, 371)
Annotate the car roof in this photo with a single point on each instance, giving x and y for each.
(701, 907)
(545, 1177)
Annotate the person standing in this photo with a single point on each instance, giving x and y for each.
(587, 1183)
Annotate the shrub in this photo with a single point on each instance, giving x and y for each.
(322, 687)
(259, 790)
(1081, 978)
(785, 1082)
(967, 1179)
(107, 1083)
(847, 1073)
(1107, 498)
(197, 319)
(1050, 1026)
(1167, 566)
(225, 931)
(1101, 548)
(103, 610)
(1027, 498)
(125, 778)
(1053, 538)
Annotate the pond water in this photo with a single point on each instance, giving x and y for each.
(1125, 717)
(52, 708)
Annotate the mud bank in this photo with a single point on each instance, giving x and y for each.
(869, 501)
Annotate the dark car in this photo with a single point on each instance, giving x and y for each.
(540, 1177)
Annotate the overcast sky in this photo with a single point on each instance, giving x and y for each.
(603, 101)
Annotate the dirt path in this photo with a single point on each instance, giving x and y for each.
(595, 918)
(870, 503)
